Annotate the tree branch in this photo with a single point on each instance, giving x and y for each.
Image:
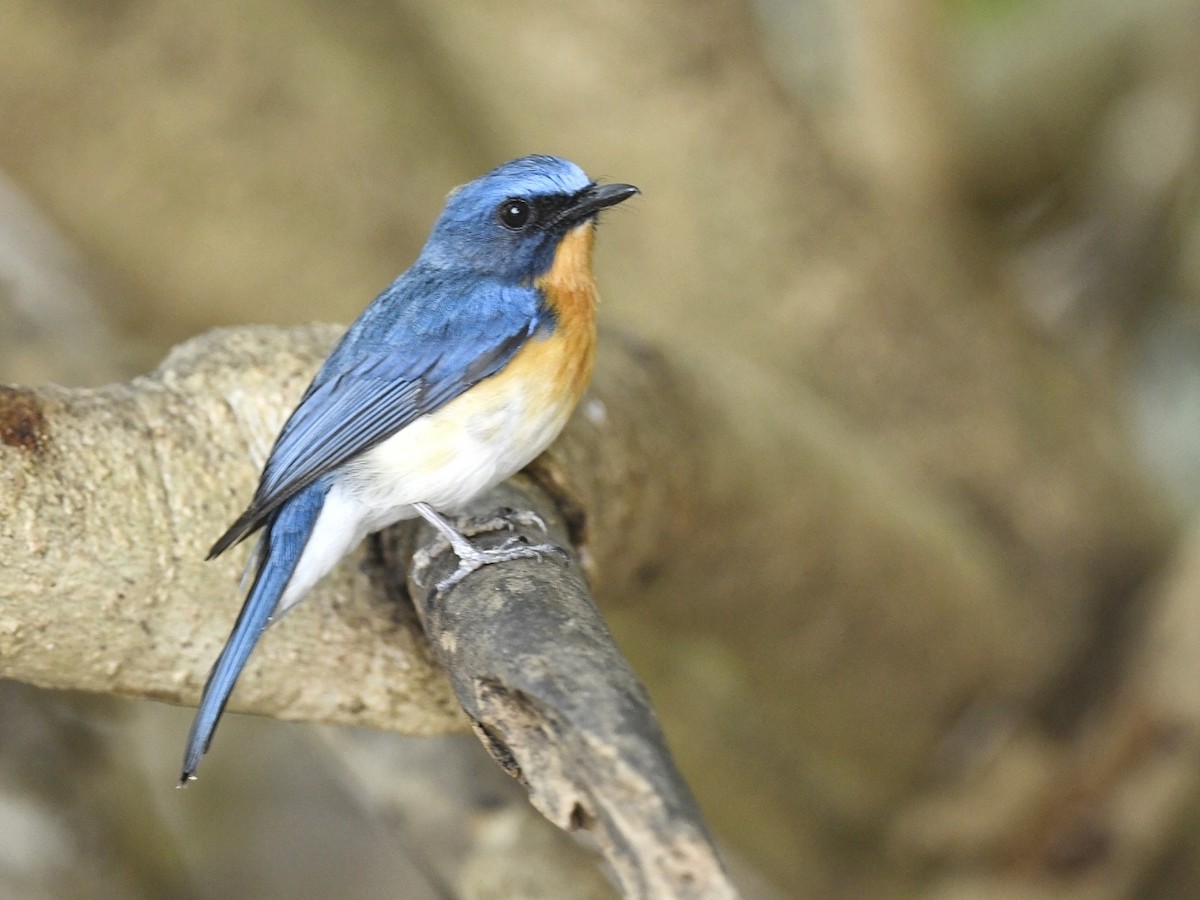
(711, 503)
(113, 496)
(557, 706)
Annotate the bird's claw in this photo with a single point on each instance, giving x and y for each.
(526, 517)
(515, 547)
(471, 557)
(505, 519)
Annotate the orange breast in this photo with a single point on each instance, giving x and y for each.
(566, 356)
(543, 382)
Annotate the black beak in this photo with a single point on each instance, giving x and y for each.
(592, 199)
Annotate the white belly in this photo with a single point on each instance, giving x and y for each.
(453, 455)
(444, 459)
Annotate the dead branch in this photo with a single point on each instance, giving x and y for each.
(550, 696)
(714, 506)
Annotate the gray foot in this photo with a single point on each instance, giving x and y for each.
(471, 557)
(472, 527)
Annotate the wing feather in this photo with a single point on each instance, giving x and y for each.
(379, 379)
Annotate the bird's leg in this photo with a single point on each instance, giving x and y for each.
(473, 527)
(471, 557)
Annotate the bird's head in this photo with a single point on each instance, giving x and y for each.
(508, 223)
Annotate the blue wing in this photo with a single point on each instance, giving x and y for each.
(419, 345)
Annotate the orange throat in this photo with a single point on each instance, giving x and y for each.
(570, 292)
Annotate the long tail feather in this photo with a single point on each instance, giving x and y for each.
(282, 545)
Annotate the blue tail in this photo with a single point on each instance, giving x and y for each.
(285, 538)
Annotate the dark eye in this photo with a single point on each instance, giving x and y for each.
(514, 214)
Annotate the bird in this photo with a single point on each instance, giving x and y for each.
(453, 379)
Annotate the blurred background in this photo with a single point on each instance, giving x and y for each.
(966, 231)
